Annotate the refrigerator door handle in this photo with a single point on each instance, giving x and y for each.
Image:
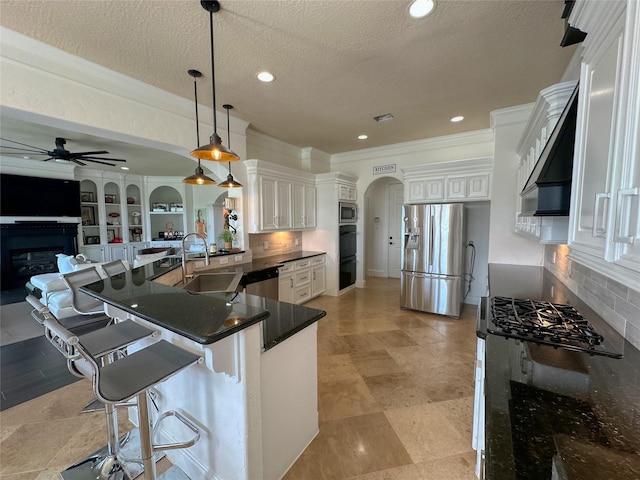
(431, 238)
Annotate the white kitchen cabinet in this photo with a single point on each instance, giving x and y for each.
(119, 251)
(280, 198)
(96, 253)
(605, 219)
(347, 192)
(304, 206)
(460, 181)
(301, 280)
(275, 204)
(318, 275)
(285, 283)
(134, 249)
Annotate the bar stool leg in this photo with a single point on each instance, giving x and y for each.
(146, 446)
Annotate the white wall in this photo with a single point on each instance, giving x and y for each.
(505, 246)
(477, 216)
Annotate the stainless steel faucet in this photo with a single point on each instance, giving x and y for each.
(184, 254)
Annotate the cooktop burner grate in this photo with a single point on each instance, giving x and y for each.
(547, 323)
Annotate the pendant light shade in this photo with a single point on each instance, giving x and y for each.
(229, 182)
(198, 178)
(214, 151)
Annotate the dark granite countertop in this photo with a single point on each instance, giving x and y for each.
(552, 410)
(203, 318)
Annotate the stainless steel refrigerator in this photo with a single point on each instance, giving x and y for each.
(433, 258)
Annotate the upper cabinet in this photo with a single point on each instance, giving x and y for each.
(459, 181)
(280, 198)
(604, 231)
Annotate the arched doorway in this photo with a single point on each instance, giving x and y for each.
(382, 226)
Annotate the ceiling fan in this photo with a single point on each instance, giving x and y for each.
(58, 153)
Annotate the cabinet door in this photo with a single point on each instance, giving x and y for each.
(268, 208)
(96, 253)
(283, 204)
(318, 275)
(118, 252)
(285, 288)
(456, 188)
(298, 206)
(434, 189)
(478, 186)
(309, 207)
(594, 134)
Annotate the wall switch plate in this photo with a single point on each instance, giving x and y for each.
(224, 260)
(265, 245)
(238, 258)
(569, 268)
(296, 242)
(553, 257)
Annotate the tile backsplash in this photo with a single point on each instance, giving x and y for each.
(618, 304)
(276, 243)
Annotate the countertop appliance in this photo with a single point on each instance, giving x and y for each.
(348, 212)
(433, 258)
(542, 322)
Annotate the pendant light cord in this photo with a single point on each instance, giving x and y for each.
(213, 76)
(228, 107)
(195, 96)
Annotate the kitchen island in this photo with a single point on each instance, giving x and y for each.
(551, 413)
(255, 395)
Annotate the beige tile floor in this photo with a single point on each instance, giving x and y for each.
(395, 394)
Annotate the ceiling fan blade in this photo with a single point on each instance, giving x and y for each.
(89, 159)
(75, 160)
(99, 152)
(104, 158)
(23, 144)
(24, 151)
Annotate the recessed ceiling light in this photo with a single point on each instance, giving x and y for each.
(421, 8)
(124, 168)
(362, 137)
(457, 119)
(266, 77)
(27, 157)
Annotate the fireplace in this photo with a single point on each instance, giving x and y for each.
(30, 248)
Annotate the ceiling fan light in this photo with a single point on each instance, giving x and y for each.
(199, 178)
(215, 151)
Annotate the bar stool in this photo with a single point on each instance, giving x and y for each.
(128, 377)
(101, 344)
(82, 303)
(114, 268)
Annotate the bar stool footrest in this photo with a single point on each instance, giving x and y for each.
(172, 446)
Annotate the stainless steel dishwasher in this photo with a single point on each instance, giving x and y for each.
(263, 283)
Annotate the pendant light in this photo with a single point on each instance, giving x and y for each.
(198, 178)
(229, 182)
(214, 151)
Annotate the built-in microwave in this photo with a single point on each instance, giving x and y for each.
(348, 212)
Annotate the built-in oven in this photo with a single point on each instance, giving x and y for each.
(348, 212)
(347, 255)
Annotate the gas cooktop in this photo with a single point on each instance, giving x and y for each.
(546, 323)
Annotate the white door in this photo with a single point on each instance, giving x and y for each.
(394, 233)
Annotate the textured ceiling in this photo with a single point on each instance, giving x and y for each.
(337, 63)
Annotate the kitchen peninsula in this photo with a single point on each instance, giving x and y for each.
(552, 413)
(255, 395)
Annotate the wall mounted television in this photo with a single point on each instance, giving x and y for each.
(24, 196)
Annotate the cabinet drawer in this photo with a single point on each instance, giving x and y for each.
(287, 267)
(300, 264)
(319, 260)
(302, 294)
(302, 278)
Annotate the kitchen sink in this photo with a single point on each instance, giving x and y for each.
(214, 282)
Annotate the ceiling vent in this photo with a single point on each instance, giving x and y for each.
(383, 118)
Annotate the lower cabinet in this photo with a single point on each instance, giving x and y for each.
(301, 280)
(115, 251)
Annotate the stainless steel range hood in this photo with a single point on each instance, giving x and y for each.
(548, 189)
